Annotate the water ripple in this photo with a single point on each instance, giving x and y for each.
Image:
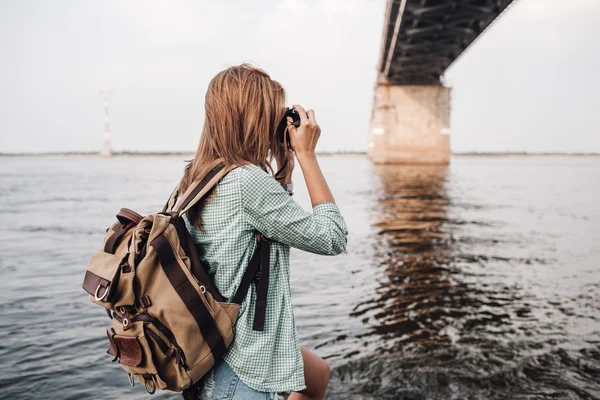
(474, 281)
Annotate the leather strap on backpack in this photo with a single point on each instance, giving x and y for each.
(190, 297)
(172, 199)
(176, 198)
(258, 268)
(210, 176)
(128, 219)
(197, 267)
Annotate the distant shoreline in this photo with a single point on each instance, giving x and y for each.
(523, 154)
(325, 153)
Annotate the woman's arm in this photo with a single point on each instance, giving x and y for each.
(315, 181)
(269, 209)
(304, 141)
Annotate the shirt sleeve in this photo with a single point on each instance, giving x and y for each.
(269, 209)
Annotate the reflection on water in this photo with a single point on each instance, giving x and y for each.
(413, 208)
(449, 317)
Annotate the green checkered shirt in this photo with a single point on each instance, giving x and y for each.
(247, 200)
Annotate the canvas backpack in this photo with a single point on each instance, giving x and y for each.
(170, 324)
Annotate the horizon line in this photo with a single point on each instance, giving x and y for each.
(334, 152)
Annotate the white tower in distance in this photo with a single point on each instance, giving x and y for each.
(106, 146)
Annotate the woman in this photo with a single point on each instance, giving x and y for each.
(243, 109)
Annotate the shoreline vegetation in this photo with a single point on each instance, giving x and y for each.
(323, 153)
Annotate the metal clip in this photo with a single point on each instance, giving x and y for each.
(131, 381)
(150, 386)
(98, 298)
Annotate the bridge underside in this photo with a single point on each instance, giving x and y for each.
(411, 108)
(423, 37)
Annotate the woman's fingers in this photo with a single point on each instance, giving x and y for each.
(305, 137)
(302, 112)
(290, 124)
(311, 116)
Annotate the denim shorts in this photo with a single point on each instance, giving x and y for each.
(223, 384)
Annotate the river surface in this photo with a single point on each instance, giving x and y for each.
(480, 280)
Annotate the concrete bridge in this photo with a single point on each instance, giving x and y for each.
(410, 122)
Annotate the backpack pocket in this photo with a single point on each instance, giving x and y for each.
(169, 359)
(102, 278)
(149, 347)
(137, 358)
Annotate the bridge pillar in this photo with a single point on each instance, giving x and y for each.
(410, 125)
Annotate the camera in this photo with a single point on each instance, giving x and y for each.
(290, 112)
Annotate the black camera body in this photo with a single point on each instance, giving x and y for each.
(290, 112)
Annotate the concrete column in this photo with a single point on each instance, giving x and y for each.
(410, 125)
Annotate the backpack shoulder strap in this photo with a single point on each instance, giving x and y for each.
(172, 199)
(258, 269)
(209, 177)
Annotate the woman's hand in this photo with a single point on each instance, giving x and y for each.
(304, 138)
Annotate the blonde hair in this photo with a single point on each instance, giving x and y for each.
(243, 109)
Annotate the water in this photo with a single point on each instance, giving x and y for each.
(476, 281)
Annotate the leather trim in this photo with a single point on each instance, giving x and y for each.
(258, 269)
(91, 282)
(262, 288)
(197, 268)
(159, 325)
(113, 350)
(130, 351)
(127, 220)
(249, 275)
(118, 317)
(211, 174)
(190, 297)
(111, 242)
(125, 216)
(164, 348)
(143, 303)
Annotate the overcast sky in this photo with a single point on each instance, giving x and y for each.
(530, 83)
